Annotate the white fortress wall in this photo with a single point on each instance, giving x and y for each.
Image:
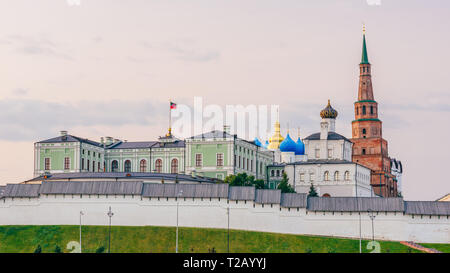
(205, 213)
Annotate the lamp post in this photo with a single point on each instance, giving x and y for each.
(81, 214)
(110, 215)
(178, 196)
(228, 235)
(372, 217)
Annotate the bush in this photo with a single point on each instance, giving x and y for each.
(100, 249)
(57, 249)
(38, 249)
(308, 250)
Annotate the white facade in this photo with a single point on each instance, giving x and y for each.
(330, 179)
(205, 213)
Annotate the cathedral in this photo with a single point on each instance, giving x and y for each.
(335, 165)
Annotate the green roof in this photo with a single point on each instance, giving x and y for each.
(364, 58)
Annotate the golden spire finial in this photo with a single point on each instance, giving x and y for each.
(329, 102)
(364, 29)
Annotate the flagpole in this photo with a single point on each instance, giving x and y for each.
(170, 117)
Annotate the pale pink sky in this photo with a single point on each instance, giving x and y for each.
(108, 67)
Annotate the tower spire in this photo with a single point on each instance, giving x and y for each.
(364, 57)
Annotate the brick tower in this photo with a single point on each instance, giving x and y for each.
(369, 147)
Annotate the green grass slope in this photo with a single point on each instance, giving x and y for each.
(25, 239)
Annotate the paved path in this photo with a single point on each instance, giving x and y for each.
(419, 247)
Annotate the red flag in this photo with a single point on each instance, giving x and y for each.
(173, 105)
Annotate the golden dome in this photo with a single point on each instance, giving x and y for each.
(276, 139)
(328, 112)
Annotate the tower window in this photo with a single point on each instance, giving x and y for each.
(364, 110)
(371, 110)
(364, 131)
(363, 151)
(357, 110)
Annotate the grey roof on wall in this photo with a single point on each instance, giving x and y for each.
(122, 175)
(97, 187)
(187, 190)
(294, 200)
(213, 134)
(134, 145)
(427, 208)
(349, 204)
(268, 196)
(70, 138)
(241, 193)
(331, 136)
(21, 190)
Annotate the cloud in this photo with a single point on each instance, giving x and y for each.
(28, 45)
(185, 50)
(20, 91)
(27, 119)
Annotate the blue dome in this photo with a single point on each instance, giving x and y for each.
(257, 142)
(288, 145)
(266, 144)
(299, 147)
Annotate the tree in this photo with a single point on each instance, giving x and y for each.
(242, 179)
(284, 186)
(38, 249)
(312, 191)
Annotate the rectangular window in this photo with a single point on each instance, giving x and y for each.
(317, 153)
(82, 164)
(330, 153)
(312, 177)
(219, 160)
(93, 166)
(198, 160)
(302, 177)
(67, 163)
(47, 164)
(88, 162)
(98, 167)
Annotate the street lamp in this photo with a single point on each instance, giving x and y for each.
(372, 217)
(110, 215)
(81, 214)
(178, 196)
(228, 235)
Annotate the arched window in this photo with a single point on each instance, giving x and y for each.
(364, 131)
(347, 175)
(326, 195)
(371, 110)
(364, 109)
(174, 166)
(272, 173)
(114, 166)
(278, 172)
(143, 166)
(326, 176)
(336, 176)
(158, 165)
(127, 166)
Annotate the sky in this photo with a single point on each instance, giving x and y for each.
(109, 67)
